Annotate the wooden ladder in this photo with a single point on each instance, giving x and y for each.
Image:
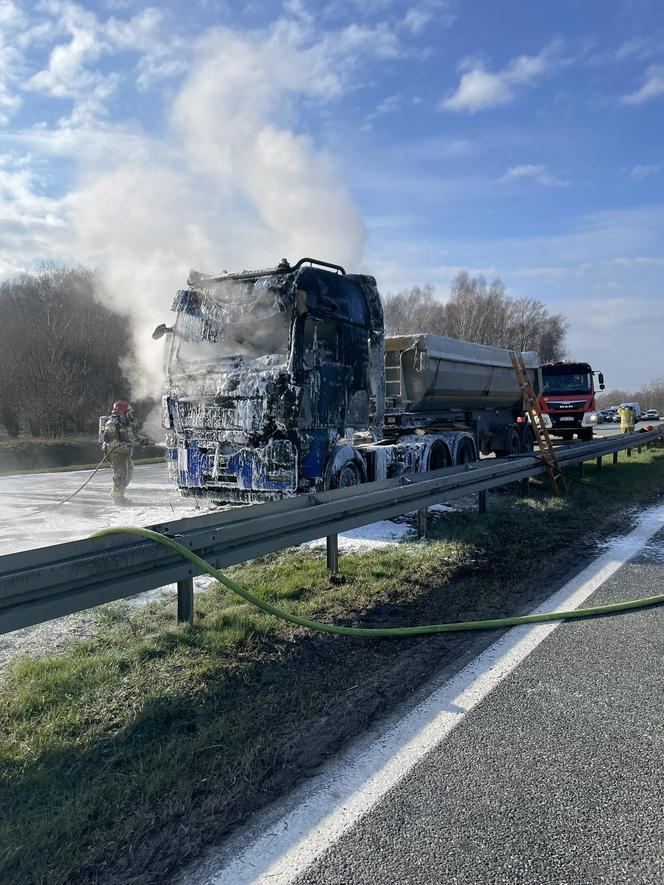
(541, 434)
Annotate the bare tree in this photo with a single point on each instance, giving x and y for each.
(478, 311)
(61, 350)
(413, 310)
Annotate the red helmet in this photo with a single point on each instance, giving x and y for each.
(121, 407)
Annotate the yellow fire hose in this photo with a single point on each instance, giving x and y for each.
(373, 632)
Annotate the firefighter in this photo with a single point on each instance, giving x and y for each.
(120, 437)
(627, 419)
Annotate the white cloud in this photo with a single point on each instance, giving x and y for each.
(298, 10)
(9, 103)
(637, 49)
(389, 105)
(480, 89)
(416, 19)
(652, 87)
(11, 15)
(72, 73)
(65, 75)
(638, 173)
(11, 19)
(537, 173)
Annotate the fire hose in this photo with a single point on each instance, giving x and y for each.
(81, 487)
(375, 632)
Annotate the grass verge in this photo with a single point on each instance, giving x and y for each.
(123, 756)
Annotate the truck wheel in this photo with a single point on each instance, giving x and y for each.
(527, 439)
(585, 435)
(348, 475)
(466, 452)
(439, 456)
(512, 444)
(345, 468)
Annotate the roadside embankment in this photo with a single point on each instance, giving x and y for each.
(29, 454)
(123, 756)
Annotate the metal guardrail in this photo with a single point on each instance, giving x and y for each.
(49, 582)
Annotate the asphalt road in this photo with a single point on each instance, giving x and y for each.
(556, 777)
(540, 762)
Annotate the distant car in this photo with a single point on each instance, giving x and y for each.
(651, 415)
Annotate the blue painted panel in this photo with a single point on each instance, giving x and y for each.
(272, 468)
(313, 463)
(198, 464)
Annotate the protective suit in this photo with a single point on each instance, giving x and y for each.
(119, 440)
(627, 419)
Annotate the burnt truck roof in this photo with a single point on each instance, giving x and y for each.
(328, 289)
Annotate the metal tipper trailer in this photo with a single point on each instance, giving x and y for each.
(281, 382)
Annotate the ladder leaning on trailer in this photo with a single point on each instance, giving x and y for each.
(541, 434)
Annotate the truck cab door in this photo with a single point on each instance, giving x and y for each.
(325, 376)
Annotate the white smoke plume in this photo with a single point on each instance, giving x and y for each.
(230, 186)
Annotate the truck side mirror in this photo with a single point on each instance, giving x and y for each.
(161, 330)
(600, 377)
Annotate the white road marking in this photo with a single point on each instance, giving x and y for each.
(281, 846)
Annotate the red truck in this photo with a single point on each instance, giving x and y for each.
(568, 398)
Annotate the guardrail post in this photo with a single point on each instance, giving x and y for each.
(481, 502)
(638, 450)
(186, 601)
(581, 469)
(615, 457)
(422, 522)
(332, 554)
(629, 453)
(524, 491)
(599, 463)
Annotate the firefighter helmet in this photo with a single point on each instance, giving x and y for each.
(121, 407)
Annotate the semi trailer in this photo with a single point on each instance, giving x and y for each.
(281, 381)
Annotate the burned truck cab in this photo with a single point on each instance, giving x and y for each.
(268, 372)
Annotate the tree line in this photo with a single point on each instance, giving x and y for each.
(478, 311)
(61, 353)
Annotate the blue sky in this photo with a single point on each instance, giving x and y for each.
(407, 140)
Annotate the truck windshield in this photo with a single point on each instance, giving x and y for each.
(567, 382)
(232, 322)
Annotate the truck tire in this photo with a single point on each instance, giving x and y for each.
(439, 456)
(465, 453)
(512, 444)
(585, 435)
(345, 469)
(348, 475)
(527, 439)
